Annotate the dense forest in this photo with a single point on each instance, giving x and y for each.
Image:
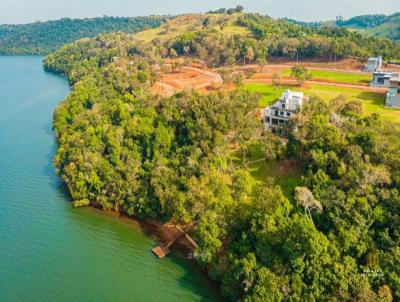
(277, 38)
(375, 25)
(334, 238)
(43, 37)
(379, 25)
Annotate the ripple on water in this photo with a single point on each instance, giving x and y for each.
(49, 251)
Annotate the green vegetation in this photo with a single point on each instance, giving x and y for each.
(375, 25)
(296, 41)
(310, 217)
(300, 73)
(223, 24)
(372, 102)
(336, 76)
(230, 11)
(223, 39)
(381, 26)
(43, 37)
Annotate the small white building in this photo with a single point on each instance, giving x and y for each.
(393, 95)
(381, 79)
(374, 64)
(277, 116)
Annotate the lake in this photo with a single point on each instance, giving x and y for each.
(50, 251)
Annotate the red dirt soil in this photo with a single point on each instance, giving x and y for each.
(204, 80)
(187, 78)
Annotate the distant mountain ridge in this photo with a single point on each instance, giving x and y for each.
(375, 25)
(41, 38)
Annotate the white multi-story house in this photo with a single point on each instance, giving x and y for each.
(381, 79)
(374, 64)
(277, 116)
(393, 95)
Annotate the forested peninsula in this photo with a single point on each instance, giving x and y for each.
(333, 236)
(41, 38)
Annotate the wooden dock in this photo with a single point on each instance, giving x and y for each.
(163, 250)
(160, 251)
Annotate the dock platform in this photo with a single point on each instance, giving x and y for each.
(161, 251)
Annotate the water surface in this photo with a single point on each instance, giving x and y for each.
(49, 251)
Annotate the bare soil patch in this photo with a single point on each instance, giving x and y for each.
(186, 78)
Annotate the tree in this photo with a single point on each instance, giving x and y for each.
(266, 287)
(276, 80)
(249, 54)
(300, 73)
(142, 77)
(385, 293)
(306, 199)
(226, 75)
(238, 79)
(186, 49)
(262, 61)
(173, 53)
(206, 22)
(240, 184)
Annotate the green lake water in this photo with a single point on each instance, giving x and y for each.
(49, 251)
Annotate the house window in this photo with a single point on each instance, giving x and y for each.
(288, 114)
(282, 113)
(267, 119)
(274, 121)
(283, 106)
(276, 112)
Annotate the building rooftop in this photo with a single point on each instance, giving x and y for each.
(395, 77)
(289, 100)
(383, 73)
(288, 94)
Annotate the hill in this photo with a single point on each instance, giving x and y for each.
(44, 37)
(222, 23)
(388, 27)
(223, 39)
(377, 25)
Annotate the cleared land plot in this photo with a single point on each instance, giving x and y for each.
(373, 102)
(186, 78)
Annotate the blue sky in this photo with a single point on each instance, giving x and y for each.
(24, 11)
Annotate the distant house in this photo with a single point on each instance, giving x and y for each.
(277, 116)
(374, 64)
(393, 95)
(381, 79)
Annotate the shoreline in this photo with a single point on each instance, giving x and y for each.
(161, 233)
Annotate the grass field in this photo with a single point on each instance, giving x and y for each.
(287, 179)
(284, 174)
(190, 23)
(372, 102)
(336, 76)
